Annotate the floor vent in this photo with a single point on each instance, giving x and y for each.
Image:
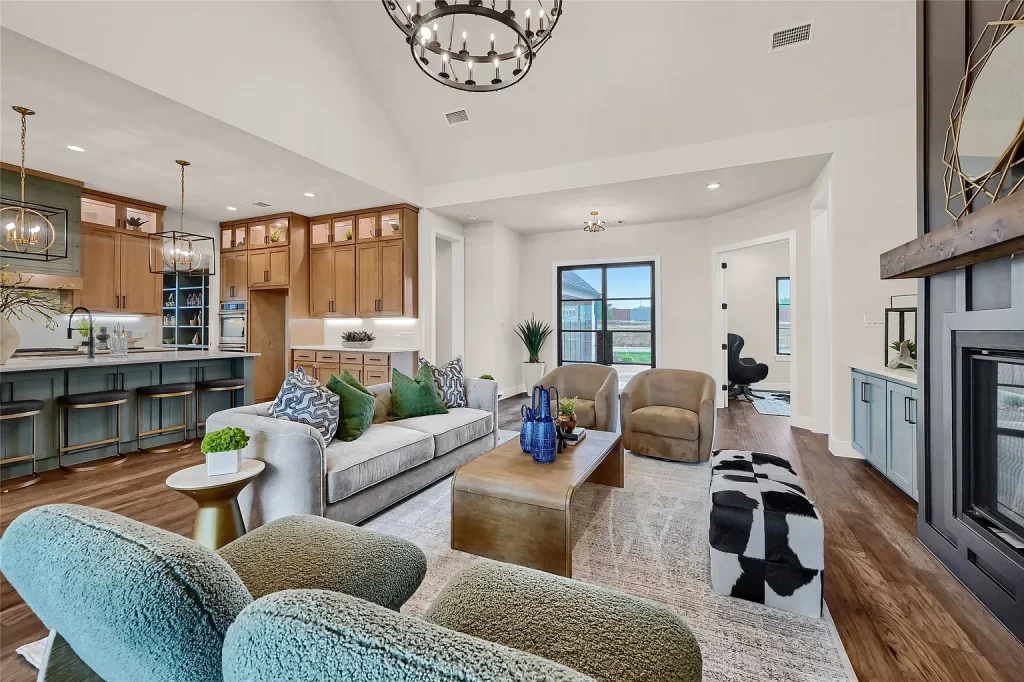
(261, 204)
(794, 36)
(459, 117)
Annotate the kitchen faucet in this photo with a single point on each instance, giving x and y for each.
(91, 342)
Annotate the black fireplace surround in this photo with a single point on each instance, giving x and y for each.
(989, 441)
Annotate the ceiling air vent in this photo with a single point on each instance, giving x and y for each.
(459, 117)
(261, 204)
(785, 38)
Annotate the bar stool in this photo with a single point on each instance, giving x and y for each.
(20, 409)
(88, 401)
(180, 390)
(215, 385)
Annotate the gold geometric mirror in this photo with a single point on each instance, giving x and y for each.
(984, 150)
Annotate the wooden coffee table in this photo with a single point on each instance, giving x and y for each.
(507, 507)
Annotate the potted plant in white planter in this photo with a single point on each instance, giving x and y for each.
(357, 339)
(223, 450)
(23, 302)
(533, 333)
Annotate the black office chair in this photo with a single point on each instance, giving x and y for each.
(743, 371)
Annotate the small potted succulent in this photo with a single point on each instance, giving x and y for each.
(348, 236)
(567, 413)
(223, 450)
(357, 339)
(135, 223)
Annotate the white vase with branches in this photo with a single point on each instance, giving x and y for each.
(20, 301)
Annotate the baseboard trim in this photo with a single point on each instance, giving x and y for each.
(843, 448)
(801, 422)
(514, 390)
(769, 386)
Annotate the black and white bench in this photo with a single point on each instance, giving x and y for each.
(767, 541)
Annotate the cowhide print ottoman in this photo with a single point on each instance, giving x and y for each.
(767, 541)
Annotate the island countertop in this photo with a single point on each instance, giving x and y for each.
(42, 363)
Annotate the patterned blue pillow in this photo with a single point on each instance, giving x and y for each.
(451, 381)
(302, 399)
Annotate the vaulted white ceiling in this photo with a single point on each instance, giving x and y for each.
(623, 77)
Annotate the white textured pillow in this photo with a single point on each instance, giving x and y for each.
(451, 381)
(302, 399)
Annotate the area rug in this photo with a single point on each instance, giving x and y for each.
(775, 403)
(649, 539)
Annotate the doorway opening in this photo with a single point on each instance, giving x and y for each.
(754, 314)
(606, 315)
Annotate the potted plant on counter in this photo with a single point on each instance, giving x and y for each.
(567, 413)
(357, 339)
(533, 333)
(223, 450)
(21, 301)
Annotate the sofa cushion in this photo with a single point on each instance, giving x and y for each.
(670, 422)
(415, 397)
(451, 381)
(302, 399)
(459, 426)
(381, 452)
(357, 406)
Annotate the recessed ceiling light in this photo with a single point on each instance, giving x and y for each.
(75, 148)
(714, 185)
(232, 208)
(308, 194)
(472, 216)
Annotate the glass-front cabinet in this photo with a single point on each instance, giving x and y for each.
(390, 225)
(141, 219)
(233, 237)
(343, 229)
(99, 212)
(319, 232)
(331, 230)
(120, 213)
(366, 227)
(268, 233)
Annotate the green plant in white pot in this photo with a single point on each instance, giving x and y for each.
(533, 333)
(223, 450)
(21, 301)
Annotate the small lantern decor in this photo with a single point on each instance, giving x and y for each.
(901, 332)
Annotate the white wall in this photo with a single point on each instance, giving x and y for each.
(750, 290)
(494, 276)
(443, 302)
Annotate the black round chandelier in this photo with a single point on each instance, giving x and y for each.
(474, 47)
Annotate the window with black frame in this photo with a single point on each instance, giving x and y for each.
(782, 316)
(607, 314)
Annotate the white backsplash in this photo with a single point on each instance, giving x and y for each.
(395, 333)
(34, 333)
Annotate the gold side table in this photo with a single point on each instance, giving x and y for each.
(218, 521)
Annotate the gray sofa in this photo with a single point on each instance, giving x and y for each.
(352, 481)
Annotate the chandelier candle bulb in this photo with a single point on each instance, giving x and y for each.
(464, 50)
(416, 17)
(497, 73)
(470, 81)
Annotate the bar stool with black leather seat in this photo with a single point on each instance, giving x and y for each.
(89, 401)
(156, 392)
(21, 409)
(231, 384)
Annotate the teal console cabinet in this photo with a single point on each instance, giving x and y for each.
(884, 426)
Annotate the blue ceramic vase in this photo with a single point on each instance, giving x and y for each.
(543, 443)
(526, 433)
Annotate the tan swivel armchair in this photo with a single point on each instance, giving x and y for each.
(669, 413)
(597, 388)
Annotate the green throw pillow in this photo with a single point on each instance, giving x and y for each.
(356, 406)
(415, 397)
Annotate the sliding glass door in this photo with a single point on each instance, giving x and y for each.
(607, 315)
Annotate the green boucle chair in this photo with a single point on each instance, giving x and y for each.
(133, 603)
(492, 623)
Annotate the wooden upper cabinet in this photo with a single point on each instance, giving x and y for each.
(392, 279)
(258, 235)
(234, 237)
(268, 268)
(319, 233)
(141, 289)
(234, 277)
(391, 224)
(140, 218)
(367, 227)
(100, 212)
(321, 281)
(344, 301)
(331, 231)
(101, 286)
(367, 278)
(343, 230)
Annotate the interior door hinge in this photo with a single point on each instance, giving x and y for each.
(725, 346)
(725, 266)
(725, 306)
(725, 387)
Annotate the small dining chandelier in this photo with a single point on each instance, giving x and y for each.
(28, 228)
(179, 252)
(593, 224)
(448, 42)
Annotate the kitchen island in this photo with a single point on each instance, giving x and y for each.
(48, 377)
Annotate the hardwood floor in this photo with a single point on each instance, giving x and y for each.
(900, 614)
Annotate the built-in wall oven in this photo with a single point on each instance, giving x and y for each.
(234, 327)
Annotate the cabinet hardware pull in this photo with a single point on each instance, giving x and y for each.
(117, 301)
(913, 410)
(906, 409)
(124, 302)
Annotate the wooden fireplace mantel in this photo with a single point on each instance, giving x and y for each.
(992, 232)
